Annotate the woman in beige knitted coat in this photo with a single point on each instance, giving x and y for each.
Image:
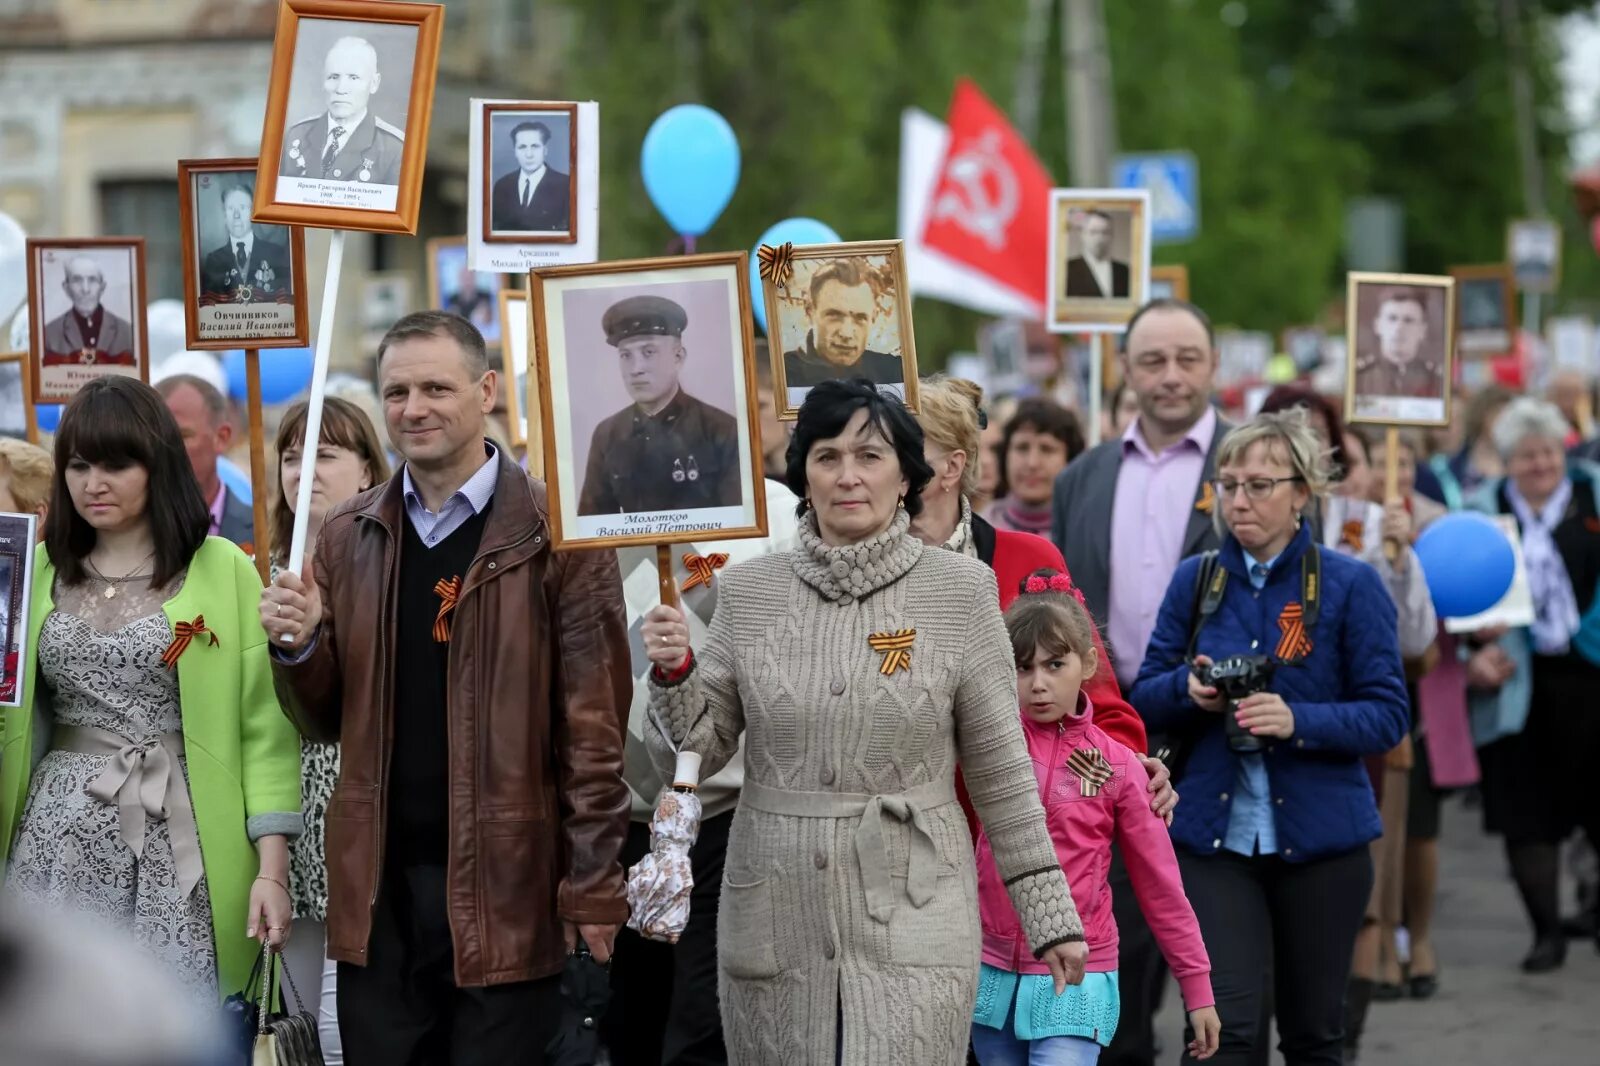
(860, 668)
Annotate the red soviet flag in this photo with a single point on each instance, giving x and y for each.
(990, 208)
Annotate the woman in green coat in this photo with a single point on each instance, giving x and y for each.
(149, 777)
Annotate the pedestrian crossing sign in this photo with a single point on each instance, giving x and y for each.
(1173, 179)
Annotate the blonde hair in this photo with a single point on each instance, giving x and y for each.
(949, 415)
(30, 471)
(1289, 435)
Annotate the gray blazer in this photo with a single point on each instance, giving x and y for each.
(238, 520)
(1080, 521)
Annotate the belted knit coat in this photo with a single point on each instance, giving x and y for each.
(850, 889)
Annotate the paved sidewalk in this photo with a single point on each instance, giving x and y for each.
(1487, 1012)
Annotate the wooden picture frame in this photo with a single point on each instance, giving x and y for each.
(631, 303)
(1398, 312)
(439, 298)
(1484, 342)
(887, 308)
(491, 151)
(55, 375)
(354, 194)
(1173, 275)
(1075, 300)
(516, 331)
(266, 274)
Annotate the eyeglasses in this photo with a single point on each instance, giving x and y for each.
(1256, 488)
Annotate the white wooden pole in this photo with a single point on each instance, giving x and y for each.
(319, 385)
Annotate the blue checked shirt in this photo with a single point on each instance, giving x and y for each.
(1251, 830)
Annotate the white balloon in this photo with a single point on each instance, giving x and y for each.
(19, 332)
(202, 365)
(13, 265)
(164, 320)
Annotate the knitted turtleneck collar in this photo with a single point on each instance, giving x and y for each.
(852, 571)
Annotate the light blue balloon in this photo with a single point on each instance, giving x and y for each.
(690, 164)
(795, 231)
(48, 416)
(1468, 562)
(237, 479)
(285, 374)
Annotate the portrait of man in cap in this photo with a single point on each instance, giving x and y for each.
(666, 450)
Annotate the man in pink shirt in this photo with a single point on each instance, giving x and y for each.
(1124, 514)
(202, 415)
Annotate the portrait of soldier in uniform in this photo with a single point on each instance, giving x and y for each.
(245, 268)
(348, 141)
(87, 334)
(666, 450)
(1403, 363)
(1400, 332)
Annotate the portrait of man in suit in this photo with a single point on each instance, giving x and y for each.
(87, 334)
(245, 268)
(1093, 273)
(536, 196)
(347, 141)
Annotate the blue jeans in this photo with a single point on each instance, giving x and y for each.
(1001, 1047)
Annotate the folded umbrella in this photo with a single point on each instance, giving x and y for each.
(585, 994)
(660, 884)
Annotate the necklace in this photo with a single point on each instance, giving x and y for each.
(113, 584)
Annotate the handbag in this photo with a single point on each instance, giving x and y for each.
(283, 1039)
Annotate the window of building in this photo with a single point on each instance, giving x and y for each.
(148, 208)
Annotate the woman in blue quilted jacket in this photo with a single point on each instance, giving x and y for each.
(1278, 666)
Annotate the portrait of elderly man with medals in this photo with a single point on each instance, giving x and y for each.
(666, 450)
(87, 334)
(246, 268)
(347, 141)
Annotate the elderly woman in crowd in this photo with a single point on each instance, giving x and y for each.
(1273, 838)
(1534, 688)
(859, 668)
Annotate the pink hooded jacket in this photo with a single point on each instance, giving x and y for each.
(1084, 828)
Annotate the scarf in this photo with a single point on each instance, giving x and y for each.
(961, 541)
(1020, 518)
(1555, 617)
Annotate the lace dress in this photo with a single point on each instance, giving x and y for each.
(100, 667)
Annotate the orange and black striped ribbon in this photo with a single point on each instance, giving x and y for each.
(1351, 534)
(896, 649)
(702, 568)
(1092, 768)
(1208, 499)
(1295, 644)
(182, 635)
(449, 592)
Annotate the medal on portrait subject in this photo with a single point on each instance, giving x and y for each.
(677, 471)
(86, 354)
(294, 154)
(366, 168)
(242, 294)
(264, 276)
(694, 469)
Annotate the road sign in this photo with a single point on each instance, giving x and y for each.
(1173, 179)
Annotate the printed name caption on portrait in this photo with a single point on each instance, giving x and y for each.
(319, 193)
(661, 523)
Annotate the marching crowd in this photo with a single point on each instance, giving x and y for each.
(996, 731)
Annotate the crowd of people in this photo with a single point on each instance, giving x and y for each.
(1177, 707)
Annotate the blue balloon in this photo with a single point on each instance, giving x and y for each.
(795, 231)
(690, 164)
(48, 416)
(285, 373)
(1468, 562)
(237, 479)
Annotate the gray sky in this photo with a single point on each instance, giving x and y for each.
(1580, 70)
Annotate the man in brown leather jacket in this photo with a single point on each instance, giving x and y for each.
(479, 684)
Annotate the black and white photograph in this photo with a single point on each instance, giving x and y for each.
(648, 402)
(1099, 258)
(533, 184)
(1533, 247)
(86, 313)
(1486, 310)
(348, 113)
(1399, 331)
(455, 287)
(529, 173)
(841, 311)
(241, 278)
(17, 534)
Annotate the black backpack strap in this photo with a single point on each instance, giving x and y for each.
(1208, 589)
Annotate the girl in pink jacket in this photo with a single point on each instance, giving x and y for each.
(1024, 1018)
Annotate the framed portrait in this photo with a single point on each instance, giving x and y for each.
(1099, 258)
(348, 107)
(1533, 247)
(522, 403)
(647, 396)
(843, 311)
(243, 281)
(454, 286)
(530, 168)
(1398, 333)
(16, 586)
(1486, 310)
(14, 404)
(86, 313)
(1169, 281)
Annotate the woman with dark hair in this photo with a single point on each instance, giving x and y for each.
(170, 782)
(860, 667)
(349, 462)
(1038, 442)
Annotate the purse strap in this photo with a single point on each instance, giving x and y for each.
(275, 966)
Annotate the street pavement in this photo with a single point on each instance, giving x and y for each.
(1487, 1012)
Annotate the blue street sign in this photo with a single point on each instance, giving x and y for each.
(1173, 179)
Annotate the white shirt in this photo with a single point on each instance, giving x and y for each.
(349, 128)
(528, 184)
(249, 242)
(1101, 269)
